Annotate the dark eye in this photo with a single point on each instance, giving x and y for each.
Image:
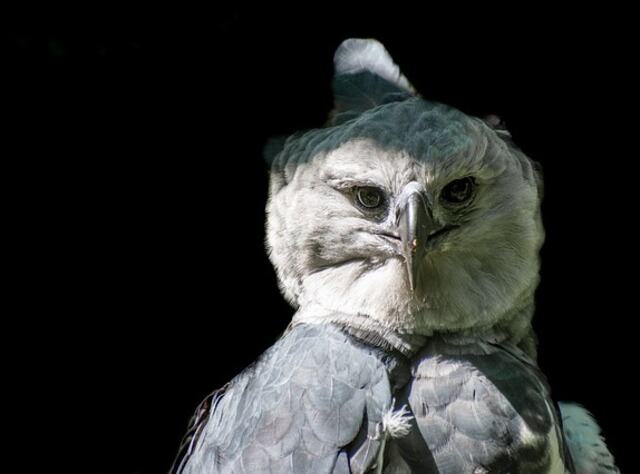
(369, 197)
(458, 191)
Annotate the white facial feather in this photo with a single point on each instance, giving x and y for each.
(329, 256)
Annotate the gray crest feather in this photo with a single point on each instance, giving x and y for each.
(365, 77)
(273, 147)
(357, 55)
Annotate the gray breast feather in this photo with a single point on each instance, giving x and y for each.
(480, 408)
(300, 408)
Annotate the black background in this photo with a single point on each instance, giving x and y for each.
(140, 163)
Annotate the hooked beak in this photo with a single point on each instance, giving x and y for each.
(414, 226)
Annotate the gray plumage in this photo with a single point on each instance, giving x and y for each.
(406, 233)
(479, 407)
(312, 403)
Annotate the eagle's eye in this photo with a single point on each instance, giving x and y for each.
(458, 191)
(369, 197)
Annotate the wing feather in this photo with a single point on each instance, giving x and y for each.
(310, 404)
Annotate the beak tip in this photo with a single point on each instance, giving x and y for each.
(410, 277)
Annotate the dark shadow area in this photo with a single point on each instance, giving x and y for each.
(141, 186)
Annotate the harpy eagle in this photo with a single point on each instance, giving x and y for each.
(407, 235)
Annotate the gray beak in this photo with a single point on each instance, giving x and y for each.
(414, 226)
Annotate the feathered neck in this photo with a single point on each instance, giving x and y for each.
(515, 329)
(362, 327)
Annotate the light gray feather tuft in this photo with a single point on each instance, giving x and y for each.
(356, 55)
